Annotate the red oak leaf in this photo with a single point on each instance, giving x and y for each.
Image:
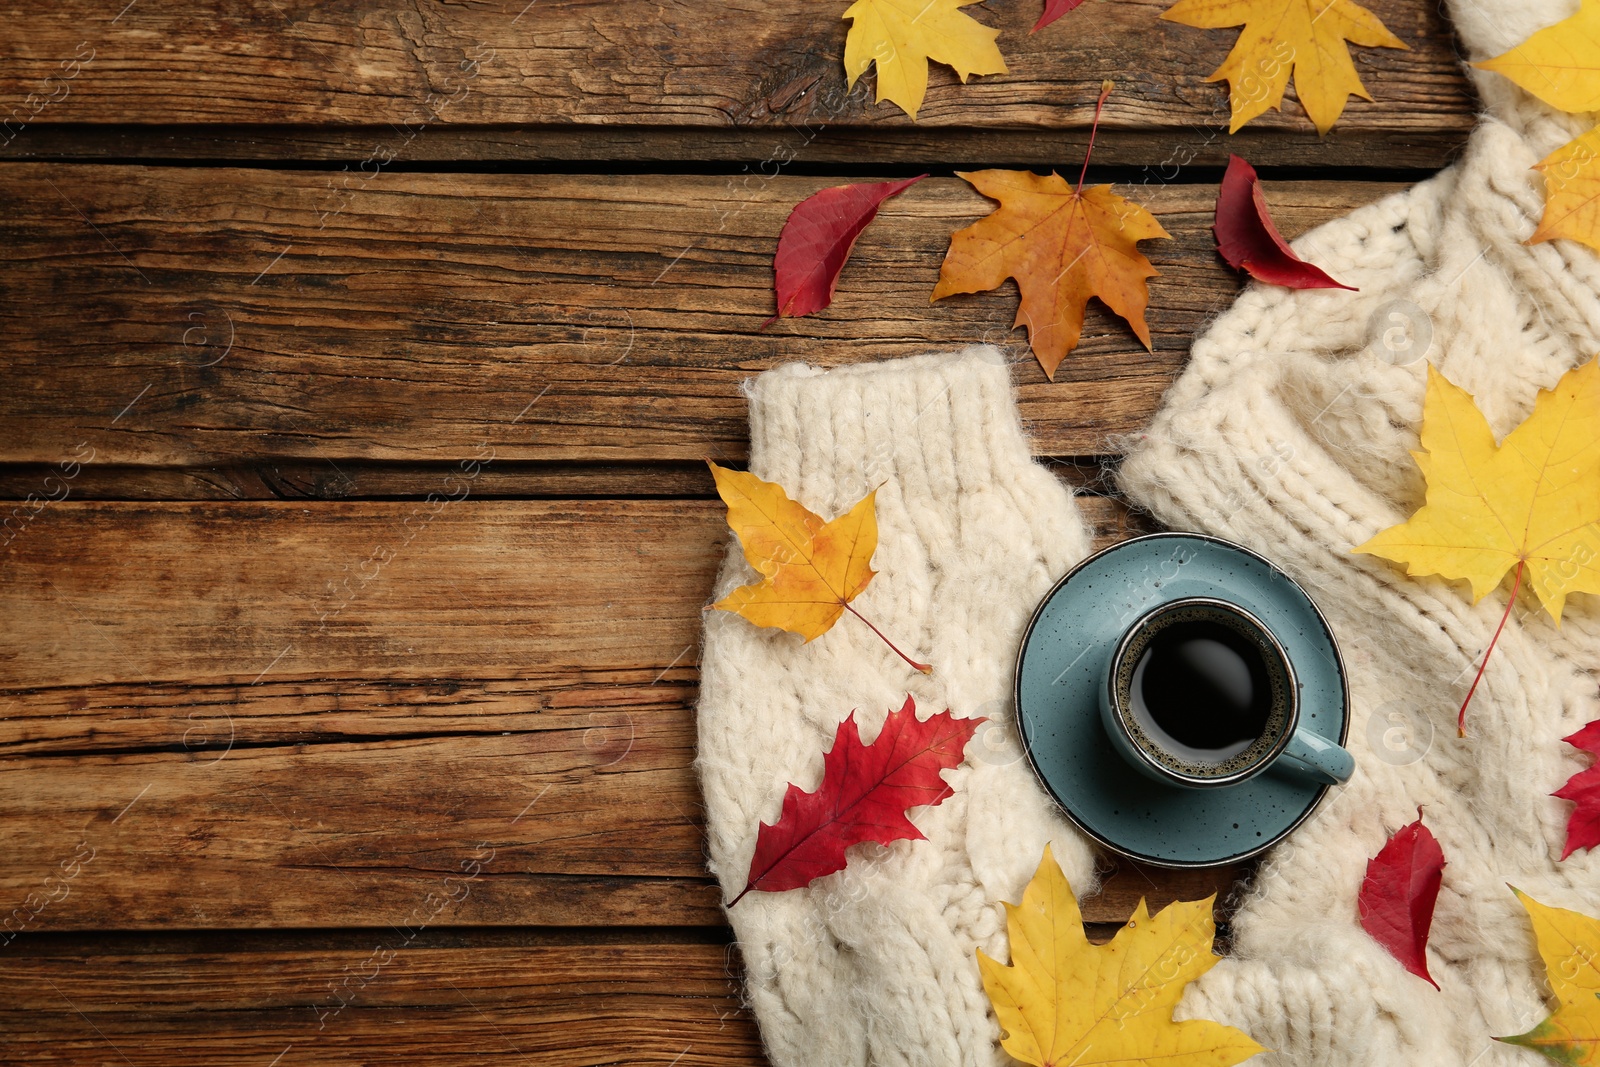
(1398, 894)
(817, 239)
(1583, 789)
(1053, 9)
(1250, 242)
(863, 796)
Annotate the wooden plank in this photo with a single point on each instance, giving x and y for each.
(343, 775)
(355, 480)
(380, 998)
(240, 593)
(144, 622)
(603, 78)
(587, 825)
(1157, 153)
(187, 317)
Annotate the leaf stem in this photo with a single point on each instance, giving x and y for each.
(923, 667)
(740, 897)
(1516, 583)
(1105, 91)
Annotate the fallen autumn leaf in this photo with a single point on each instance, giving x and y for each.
(817, 239)
(863, 796)
(1249, 241)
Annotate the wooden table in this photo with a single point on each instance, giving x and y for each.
(361, 360)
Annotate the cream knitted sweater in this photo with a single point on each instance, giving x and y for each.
(1288, 432)
(875, 964)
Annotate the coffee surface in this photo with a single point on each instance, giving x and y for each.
(1201, 690)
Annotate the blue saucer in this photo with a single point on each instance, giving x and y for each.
(1061, 668)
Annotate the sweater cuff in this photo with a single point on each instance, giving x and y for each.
(931, 425)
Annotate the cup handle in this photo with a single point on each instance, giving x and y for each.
(1312, 756)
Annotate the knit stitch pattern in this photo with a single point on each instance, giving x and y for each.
(1290, 432)
(876, 964)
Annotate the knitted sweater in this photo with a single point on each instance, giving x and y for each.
(875, 964)
(1290, 432)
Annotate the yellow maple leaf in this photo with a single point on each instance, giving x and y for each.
(900, 36)
(1569, 944)
(1532, 502)
(1063, 1001)
(1062, 245)
(1560, 64)
(1304, 36)
(1571, 192)
(810, 569)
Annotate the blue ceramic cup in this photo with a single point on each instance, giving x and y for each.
(1199, 694)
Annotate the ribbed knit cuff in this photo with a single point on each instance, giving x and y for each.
(930, 424)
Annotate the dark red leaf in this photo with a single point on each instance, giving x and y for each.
(816, 242)
(1053, 9)
(1249, 241)
(863, 796)
(1583, 789)
(1398, 895)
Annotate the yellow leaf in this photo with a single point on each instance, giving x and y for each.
(1571, 191)
(1560, 64)
(1305, 36)
(900, 36)
(1063, 1001)
(1569, 944)
(1533, 501)
(810, 570)
(1062, 246)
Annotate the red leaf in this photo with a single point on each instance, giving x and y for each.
(863, 796)
(1583, 789)
(817, 239)
(1053, 9)
(1249, 241)
(1398, 895)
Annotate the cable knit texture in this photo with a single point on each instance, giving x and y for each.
(875, 964)
(1289, 431)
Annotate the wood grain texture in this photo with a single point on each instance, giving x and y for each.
(769, 150)
(383, 999)
(515, 683)
(183, 317)
(144, 623)
(620, 73)
(235, 594)
(356, 479)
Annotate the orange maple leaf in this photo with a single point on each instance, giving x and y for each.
(1062, 245)
(810, 569)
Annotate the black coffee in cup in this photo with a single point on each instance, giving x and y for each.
(1203, 691)
(1201, 685)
